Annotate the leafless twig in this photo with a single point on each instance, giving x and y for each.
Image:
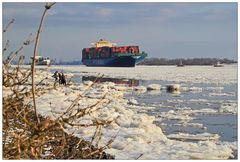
(8, 25)
(47, 7)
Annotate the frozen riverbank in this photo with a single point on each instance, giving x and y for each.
(137, 135)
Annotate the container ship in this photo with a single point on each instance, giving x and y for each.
(105, 53)
(41, 60)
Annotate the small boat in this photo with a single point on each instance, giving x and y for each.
(106, 53)
(41, 60)
(180, 64)
(218, 64)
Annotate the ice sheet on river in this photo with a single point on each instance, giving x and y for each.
(194, 74)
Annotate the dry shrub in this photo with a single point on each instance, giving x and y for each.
(26, 134)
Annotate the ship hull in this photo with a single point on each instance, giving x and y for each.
(126, 61)
(120, 60)
(46, 63)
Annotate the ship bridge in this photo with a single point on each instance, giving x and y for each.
(103, 43)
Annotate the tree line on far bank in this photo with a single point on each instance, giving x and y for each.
(188, 61)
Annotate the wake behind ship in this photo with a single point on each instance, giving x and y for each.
(105, 53)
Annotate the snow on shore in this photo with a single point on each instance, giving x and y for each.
(137, 136)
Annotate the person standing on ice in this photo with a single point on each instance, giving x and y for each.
(63, 79)
(60, 78)
(55, 75)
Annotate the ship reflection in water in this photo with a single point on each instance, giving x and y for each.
(128, 82)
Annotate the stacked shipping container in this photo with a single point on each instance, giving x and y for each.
(107, 52)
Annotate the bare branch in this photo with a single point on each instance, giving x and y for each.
(34, 58)
(8, 25)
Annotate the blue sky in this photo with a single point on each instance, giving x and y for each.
(164, 30)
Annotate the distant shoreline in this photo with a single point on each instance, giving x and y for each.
(163, 62)
(186, 61)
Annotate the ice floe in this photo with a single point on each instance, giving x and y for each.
(194, 137)
(140, 89)
(228, 108)
(192, 89)
(221, 94)
(194, 125)
(132, 101)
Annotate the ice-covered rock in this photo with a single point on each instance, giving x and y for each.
(153, 87)
(173, 87)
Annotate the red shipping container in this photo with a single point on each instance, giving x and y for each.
(113, 49)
